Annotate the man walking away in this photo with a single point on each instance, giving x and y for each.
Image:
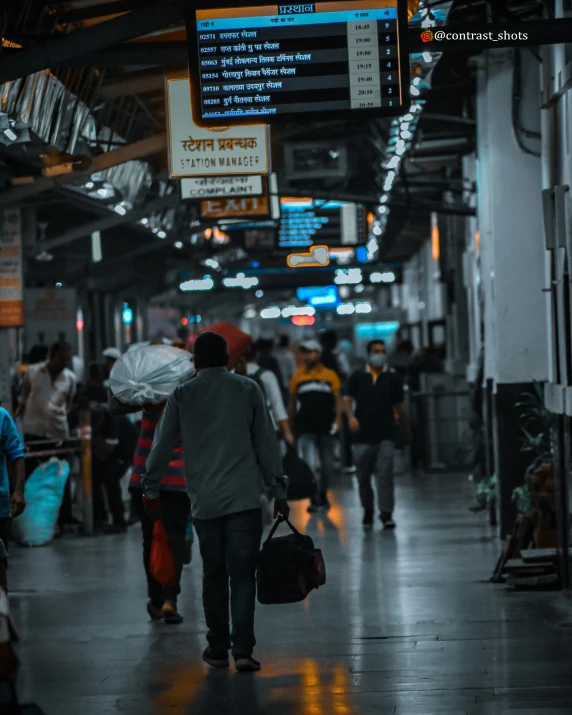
(374, 396)
(267, 360)
(231, 450)
(315, 412)
(271, 391)
(114, 442)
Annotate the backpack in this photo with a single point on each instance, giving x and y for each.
(257, 377)
(289, 567)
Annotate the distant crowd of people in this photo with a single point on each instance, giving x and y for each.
(203, 459)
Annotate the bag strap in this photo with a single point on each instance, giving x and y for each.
(277, 523)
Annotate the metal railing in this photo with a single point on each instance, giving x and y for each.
(440, 425)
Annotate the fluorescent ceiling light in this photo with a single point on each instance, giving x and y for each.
(351, 276)
(363, 308)
(240, 281)
(270, 313)
(96, 252)
(197, 284)
(161, 234)
(121, 210)
(293, 310)
(345, 309)
(386, 277)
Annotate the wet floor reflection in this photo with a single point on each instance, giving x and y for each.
(303, 686)
(405, 625)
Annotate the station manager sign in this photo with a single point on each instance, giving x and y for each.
(222, 151)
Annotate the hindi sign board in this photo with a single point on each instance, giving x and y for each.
(221, 151)
(210, 187)
(11, 301)
(235, 208)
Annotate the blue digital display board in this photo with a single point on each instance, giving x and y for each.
(320, 296)
(307, 222)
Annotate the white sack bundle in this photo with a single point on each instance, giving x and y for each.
(150, 374)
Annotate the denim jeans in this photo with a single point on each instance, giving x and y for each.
(175, 509)
(314, 446)
(229, 548)
(377, 460)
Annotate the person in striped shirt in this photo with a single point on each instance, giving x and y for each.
(175, 512)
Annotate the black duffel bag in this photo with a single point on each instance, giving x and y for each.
(289, 567)
(301, 480)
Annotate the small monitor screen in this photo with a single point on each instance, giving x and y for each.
(279, 63)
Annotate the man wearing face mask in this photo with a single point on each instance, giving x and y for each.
(315, 413)
(374, 397)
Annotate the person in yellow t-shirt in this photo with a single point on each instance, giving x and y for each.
(315, 413)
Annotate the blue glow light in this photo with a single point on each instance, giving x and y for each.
(371, 331)
(127, 314)
(320, 296)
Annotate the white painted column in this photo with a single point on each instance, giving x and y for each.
(512, 261)
(511, 229)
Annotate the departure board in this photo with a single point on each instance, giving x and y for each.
(305, 222)
(284, 63)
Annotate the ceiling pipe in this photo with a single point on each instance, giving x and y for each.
(107, 222)
(101, 162)
(449, 118)
(431, 144)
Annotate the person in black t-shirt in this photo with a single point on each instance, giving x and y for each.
(374, 398)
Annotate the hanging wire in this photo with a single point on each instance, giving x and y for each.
(519, 131)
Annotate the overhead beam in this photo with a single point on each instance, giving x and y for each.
(134, 83)
(105, 223)
(92, 11)
(101, 162)
(61, 49)
(134, 54)
(448, 118)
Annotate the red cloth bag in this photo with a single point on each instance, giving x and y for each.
(162, 563)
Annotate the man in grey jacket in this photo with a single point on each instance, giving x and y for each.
(231, 451)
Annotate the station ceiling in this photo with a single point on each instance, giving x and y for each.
(107, 62)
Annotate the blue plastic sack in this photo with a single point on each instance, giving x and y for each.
(44, 493)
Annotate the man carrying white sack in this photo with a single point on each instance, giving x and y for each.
(145, 378)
